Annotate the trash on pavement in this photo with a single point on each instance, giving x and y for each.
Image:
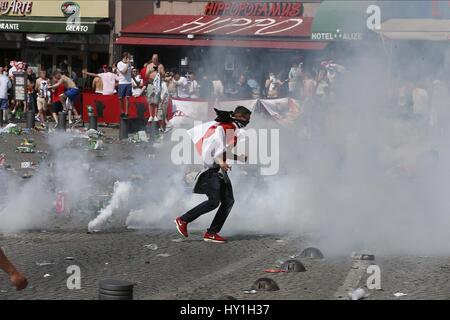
(358, 294)
(95, 144)
(47, 275)
(400, 294)
(12, 129)
(250, 291)
(276, 270)
(362, 256)
(70, 258)
(151, 246)
(25, 150)
(163, 255)
(177, 240)
(43, 264)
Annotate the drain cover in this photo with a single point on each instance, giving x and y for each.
(312, 253)
(293, 266)
(265, 284)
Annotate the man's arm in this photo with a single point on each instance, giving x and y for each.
(90, 74)
(15, 277)
(56, 85)
(124, 68)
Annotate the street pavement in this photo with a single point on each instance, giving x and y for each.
(191, 268)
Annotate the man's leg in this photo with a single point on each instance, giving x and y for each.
(204, 207)
(127, 103)
(227, 201)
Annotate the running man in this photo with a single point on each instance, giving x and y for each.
(214, 141)
(68, 97)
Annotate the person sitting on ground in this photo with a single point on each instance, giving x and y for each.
(15, 277)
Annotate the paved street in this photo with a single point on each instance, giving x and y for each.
(190, 268)
(199, 270)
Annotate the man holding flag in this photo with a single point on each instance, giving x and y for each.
(213, 141)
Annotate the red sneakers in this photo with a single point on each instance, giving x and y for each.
(182, 227)
(214, 238)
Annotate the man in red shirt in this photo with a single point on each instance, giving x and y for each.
(143, 74)
(57, 106)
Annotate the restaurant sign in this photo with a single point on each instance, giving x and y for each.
(254, 9)
(15, 7)
(244, 26)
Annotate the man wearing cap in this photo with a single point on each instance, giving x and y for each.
(214, 141)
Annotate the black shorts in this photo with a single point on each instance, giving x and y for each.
(56, 107)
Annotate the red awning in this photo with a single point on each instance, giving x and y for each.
(207, 31)
(299, 45)
(222, 26)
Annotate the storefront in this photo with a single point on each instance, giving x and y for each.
(51, 34)
(224, 36)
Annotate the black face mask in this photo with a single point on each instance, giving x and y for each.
(241, 123)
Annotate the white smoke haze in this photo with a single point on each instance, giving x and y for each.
(364, 177)
(120, 198)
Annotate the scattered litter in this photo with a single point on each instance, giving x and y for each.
(279, 262)
(141, 136)
(177, 240)
(12, 129)
(27, 175)
(163, 255)
(28, 165)
(27, 143)
(69, 258)
(44, 231)
(358, 294)
(277, 270)
(400, 294)
(47, 275)
(362, 256)
(280, 241)
(152, 156)
(25, 150)
(93, 134)
(3, 291)
(250, 291)
(95, 144)
(294, 256)
(106, 263)
(152, 246)
(43, 264)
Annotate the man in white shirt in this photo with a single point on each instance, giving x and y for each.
(214, 141)
(43, 95)
(109, 80)
(182, 86)
(5, 85)
(125, 89)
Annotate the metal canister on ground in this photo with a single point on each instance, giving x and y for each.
(61, 202)
(115, 290)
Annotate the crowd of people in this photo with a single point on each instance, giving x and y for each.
(51, 95)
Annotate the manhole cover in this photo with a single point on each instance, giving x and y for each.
(265, 284)
(293, 266)
(312, 253)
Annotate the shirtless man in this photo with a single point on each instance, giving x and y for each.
(155, 70)
(43, 95)
(70, 94)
